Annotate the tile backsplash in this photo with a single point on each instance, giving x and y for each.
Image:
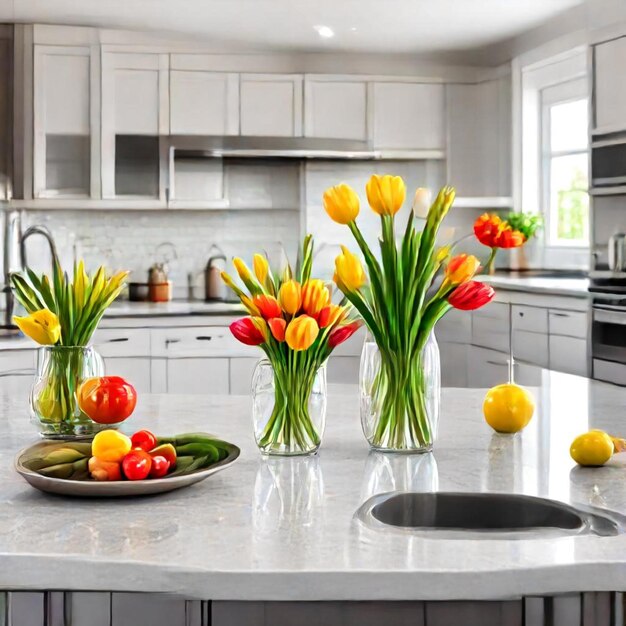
(131, 239)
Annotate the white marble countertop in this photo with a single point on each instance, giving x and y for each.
(556, 286)
(284, 529)
(125, 308)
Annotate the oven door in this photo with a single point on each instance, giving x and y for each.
(608, 334)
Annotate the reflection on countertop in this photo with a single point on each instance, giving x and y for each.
(284, 529)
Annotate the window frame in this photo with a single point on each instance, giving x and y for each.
(564, 92)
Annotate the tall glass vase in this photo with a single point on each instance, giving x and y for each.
(400, 395)
(289, 408)
(53, 402)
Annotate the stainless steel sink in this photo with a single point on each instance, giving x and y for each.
(485, 513)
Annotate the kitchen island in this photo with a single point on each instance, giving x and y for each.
(272, 529)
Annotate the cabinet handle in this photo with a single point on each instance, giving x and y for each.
(521, 313)
(118, 340)
(204, 338)
(168, 341)
(496, 363)
(560, 314)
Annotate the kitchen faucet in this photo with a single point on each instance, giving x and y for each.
(15, 256)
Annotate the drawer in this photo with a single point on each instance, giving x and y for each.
(490, 333)
(530, 318)
(122, 342)
(568, 323)
(530, 347)
(18, 361)
(454, 327)
(208, 341)
(493, 310)
(568, 354)
(609, 371)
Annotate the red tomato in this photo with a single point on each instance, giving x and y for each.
(107, 399)
(160, 467)
(144, 440)
(136, 465)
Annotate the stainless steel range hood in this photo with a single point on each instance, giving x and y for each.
(271, 147)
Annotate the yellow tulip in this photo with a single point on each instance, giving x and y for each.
(262, 327)
(242, 269)
(315, 296)
(290, 297)
(461, 268)
(250, 306)
(348, 270)
(301, 333)
(42, 326)
(341, 203)
(261, 267)
(385, 194)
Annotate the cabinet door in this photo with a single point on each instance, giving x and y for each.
(530, 347)
(409, 116)
(135, 116)
(335, 108)
(197, 376)
(609, 95)
(454, 364)
(568, 354)
(241, 370)
(204, 103)
(271, 105)
(136, 370)
(63, 122)
(479, 122)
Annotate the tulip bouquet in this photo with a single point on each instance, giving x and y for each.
(62, 317)
(494, 232)
(403, 294)
(293, 320)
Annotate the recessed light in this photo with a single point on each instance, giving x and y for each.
(324, 31)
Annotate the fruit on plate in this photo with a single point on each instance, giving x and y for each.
(166, 450)
(104, 470)
(107, 399)
(160, 466)
(137, 464)
(144, 439)
(595, 448)
(508, 408)
(110, 445)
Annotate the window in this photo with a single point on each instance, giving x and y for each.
(565, 163)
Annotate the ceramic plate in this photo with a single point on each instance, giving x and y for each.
(114, 489)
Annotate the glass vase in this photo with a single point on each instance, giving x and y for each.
(289, 409)
(53, 402)
(400, 396)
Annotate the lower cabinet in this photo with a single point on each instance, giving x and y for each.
(240, 375)
(454, 364)
(135, 370)
(489, 368)
(197, 375)
(568, 354)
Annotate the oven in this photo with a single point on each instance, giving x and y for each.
(608, 338)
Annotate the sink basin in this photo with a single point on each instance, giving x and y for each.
(485, 512)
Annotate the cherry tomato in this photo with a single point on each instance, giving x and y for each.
(160, 467)
(167, 450)
(107, 399)
(144, 440)
(136, 465)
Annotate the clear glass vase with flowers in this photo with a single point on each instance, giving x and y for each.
(293, 320)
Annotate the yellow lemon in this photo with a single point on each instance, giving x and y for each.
(508, 408)
(592, 448)
(110, 445)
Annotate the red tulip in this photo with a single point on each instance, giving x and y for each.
(492, 231)
(341, 333)
(246, 331)
(277, 327)
(267, 305)
(471, 295)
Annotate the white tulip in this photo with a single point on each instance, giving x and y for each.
(421, 202)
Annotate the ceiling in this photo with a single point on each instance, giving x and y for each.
(379, 26)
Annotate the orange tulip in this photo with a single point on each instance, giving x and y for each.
(330, 315)
(315, 296)
(267, 306)
(290, 297)
(301, 333)
(461, 268)
(277, 327)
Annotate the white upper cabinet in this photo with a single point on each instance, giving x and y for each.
(609, 95)
(202, 102)
(135, 116)
(271, 105)
(479, 135)
(409, 116)
(62, 121)
(335, 107)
